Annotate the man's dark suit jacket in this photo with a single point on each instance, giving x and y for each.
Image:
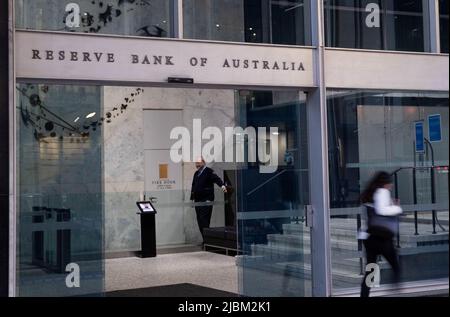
(203, 185)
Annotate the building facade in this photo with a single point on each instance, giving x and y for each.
(341, 89)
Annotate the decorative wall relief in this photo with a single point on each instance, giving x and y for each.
(102, 13)
(122, 108)
(47, 123)
(44, 122)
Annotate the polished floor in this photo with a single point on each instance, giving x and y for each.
(199, 268)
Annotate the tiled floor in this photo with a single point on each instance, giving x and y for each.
(200, 268)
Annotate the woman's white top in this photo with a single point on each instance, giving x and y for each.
(383, 203)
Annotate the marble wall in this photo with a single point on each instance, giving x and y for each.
(124, 155)
(386, 139)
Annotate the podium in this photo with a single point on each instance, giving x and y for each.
(148, 230)
(148, 235)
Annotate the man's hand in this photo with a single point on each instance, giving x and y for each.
(224, 188)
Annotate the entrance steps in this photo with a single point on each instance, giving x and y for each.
(289, 253)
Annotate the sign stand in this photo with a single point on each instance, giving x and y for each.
(148, 229)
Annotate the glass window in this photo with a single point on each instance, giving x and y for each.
(254, 21)
(122, 17)
(444, 19)
(380, 25)
(87, 154)
(59, 206)
(372, 131)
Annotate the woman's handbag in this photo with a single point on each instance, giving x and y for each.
(381, 224)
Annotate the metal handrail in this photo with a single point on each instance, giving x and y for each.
(407, 209)
(432, 168)
(422, 208)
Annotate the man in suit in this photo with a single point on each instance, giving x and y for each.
(203, 192)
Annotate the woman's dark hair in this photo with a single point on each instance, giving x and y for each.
(380, 180)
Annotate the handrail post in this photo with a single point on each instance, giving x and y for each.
(416, 221)
(433, 198)
(433, 190)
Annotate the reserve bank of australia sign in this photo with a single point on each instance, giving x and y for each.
(64, 56)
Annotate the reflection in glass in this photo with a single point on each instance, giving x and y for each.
(371, 131)
(444, 20)
(60, 212)
(149, 18)
(379, 25)
(254, 21)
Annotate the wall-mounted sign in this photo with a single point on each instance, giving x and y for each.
(109, 58)
(419, 139)
(434, 128)
(164, 182)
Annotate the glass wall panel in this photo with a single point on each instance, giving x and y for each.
(59, 185)
(150, 18)
(444, 20)
(379, 25)
(273, 237)
(87, 154)
(370, 131)
(254, 21)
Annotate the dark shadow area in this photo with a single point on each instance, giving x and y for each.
(177, 290)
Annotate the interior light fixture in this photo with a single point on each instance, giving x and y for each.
(91, 115)
(76, 120)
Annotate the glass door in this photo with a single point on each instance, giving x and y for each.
(272, 232)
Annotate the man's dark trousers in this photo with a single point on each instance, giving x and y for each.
(202, 193)
(204, 214)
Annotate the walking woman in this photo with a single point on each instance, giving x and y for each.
(382, 225)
